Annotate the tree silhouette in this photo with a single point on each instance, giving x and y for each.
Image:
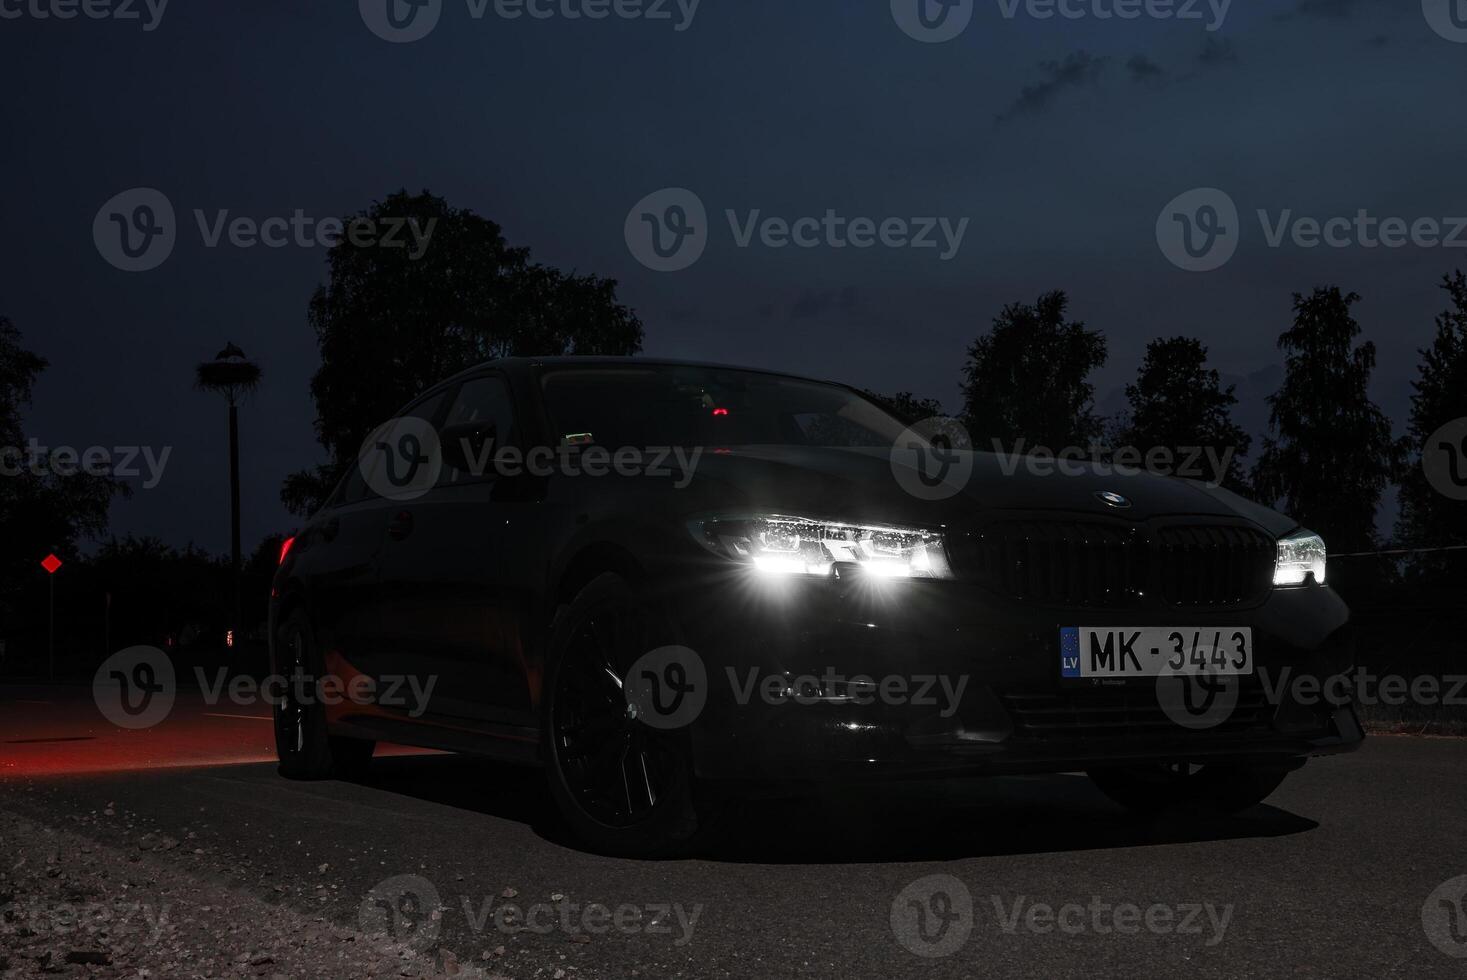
(1027, 378)
(1330, 453)
(906, 406)
(1177, 401)
(1429, 519)
(42, 509)
(234, 376)
(391, 321)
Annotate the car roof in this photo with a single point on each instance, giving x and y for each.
(524, 364)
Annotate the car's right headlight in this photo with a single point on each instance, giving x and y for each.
(782, 545)
(1300, 555)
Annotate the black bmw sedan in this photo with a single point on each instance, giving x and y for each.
(668, 582)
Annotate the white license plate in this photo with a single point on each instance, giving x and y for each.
(1153, 651)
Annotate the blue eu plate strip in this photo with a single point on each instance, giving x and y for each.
(1069, 651)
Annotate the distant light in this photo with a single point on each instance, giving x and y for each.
(720, 411)
(229, 638)
(285, 547)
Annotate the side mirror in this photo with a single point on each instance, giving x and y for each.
(469, 447)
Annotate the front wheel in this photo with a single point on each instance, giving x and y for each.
(1216, 787)
(302, 743)
(625, 787)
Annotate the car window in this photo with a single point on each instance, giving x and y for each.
(355, 487)
(480, 402)
(663, 405)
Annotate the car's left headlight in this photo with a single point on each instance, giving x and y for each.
(782, 545)
(1300, 555)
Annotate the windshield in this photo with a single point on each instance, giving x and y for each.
(674, 405)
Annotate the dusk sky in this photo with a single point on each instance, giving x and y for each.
(1060, 140)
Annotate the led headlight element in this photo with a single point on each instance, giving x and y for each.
(781, 545)
(1300, 555)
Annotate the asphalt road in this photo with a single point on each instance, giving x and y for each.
(1035, 876)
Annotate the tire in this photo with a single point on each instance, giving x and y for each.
(303, 744)
(1218, 788)
(592, 745)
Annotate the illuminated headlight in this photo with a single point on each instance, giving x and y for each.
(1300, 555)
(777, 545)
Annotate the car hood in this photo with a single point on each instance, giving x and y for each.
(863, 485)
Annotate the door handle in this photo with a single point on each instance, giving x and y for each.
(400, 526)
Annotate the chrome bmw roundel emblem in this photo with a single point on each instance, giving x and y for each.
(1112, 499)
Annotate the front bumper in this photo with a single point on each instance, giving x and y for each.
(974, 683)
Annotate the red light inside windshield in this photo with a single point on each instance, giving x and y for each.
(285, 547)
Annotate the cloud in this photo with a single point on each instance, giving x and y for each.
(1143, 69)
(1079, 68)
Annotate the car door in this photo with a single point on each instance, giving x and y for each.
(450, 601)
(340, 565)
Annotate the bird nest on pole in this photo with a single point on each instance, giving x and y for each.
(229, 374)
